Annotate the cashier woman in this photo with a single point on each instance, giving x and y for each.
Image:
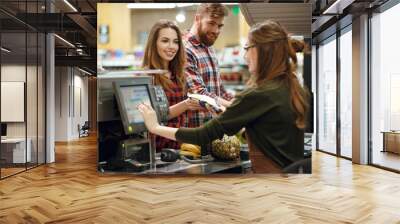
(272, 109)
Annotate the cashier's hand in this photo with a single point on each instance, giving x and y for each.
(149, 116)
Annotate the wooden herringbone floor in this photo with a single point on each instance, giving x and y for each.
(71, 191)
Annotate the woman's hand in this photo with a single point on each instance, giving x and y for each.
(185, 105)
(149, 116)
(223, 102)
(192, 104)
(214, 112)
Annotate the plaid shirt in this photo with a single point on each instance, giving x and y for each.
(202, 76)
(174, 96)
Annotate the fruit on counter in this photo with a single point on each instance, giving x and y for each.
(191, 155)
(191, 148)
(227, 148)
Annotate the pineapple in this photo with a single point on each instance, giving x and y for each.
(227, 148)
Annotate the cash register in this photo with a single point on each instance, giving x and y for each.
(124, 143)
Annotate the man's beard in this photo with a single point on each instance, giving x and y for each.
(203, 37)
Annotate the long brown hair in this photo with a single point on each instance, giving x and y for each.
(277, 59)
(152, 59)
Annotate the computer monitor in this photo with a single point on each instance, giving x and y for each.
(3, 129)
(129, 95)
(132, 97)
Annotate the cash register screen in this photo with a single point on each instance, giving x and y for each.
(132, 97)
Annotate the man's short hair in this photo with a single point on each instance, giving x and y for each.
(215, 10)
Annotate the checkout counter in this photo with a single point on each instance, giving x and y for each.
(125, 145)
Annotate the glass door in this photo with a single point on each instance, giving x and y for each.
(326, 92)
(346, 92)
(385, 89)
(14, 154)
(22, 76)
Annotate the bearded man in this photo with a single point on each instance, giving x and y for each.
(202, 70)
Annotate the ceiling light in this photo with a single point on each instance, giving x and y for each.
(5, 49)
(180, 5)
(65, 41)
(164, 5)
(151, 5)
(180, 17)
(70, 5)
(297, 37)
(79, 51)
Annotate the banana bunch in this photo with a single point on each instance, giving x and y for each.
(190, 150)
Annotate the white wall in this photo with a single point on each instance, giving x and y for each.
(70, 83)
(16, 73)
(62, 81)
(80, 100)
(13, 73)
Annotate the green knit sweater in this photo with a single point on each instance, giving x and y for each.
(268, 117)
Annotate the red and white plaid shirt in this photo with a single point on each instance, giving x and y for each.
(174, 96)
(202, 76)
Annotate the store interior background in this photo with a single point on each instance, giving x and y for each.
(123, 31)
(121, 44)
(127, 39)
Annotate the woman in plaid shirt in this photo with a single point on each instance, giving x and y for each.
(165, 50)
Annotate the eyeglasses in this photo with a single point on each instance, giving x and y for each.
(247, 47)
